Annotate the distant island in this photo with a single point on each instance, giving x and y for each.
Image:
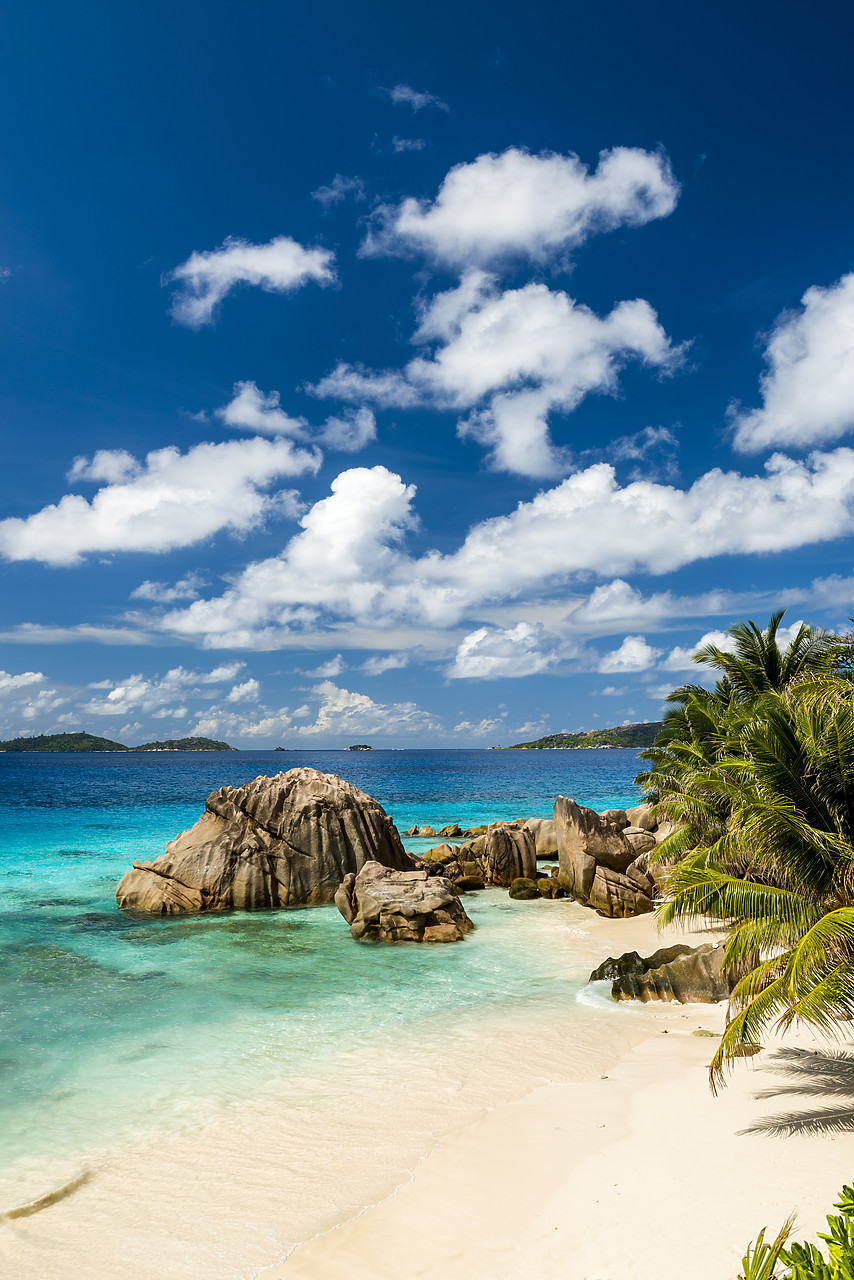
(624, 735)
(360, 746)
(90, 742)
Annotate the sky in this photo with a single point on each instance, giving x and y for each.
(418, 376)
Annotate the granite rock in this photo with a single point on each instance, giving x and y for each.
(383, 905)
(275, 842)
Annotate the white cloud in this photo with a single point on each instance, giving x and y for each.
(513, 357)
(10, 683)
(246, 692)
(348, 565)
(169, 500)
(280, 266)
(330, 669)
(339, 189)
(808, 386)
(382, 662)
(82, 632)
(634, 654)
(186, 588)
(338, 713)
(479, 728)
(113, 466)
(682, 659)
(252, 410)
(407, 144)
(611, 691)
(158, 696)
(404, 94)
(349, 431)
(533, 206)
(491, 653)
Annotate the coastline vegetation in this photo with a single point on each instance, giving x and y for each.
(625, 735)
(759, 772)
(81, 741)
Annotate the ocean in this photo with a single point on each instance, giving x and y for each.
(231, 1084)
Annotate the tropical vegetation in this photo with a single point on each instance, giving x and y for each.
(623, 735)
(807, 1261)
(759, 772)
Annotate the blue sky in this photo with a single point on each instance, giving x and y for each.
(415, 376)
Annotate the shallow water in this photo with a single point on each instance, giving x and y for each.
(264, 1049)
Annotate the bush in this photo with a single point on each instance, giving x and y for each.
(806, 1261)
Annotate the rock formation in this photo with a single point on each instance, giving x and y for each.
(275, 842)
(691, 975)
(401, 906)
(599, 865)
(545, 836)
(504, 853)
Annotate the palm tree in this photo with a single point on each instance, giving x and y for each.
(759, 773)
(780, 876)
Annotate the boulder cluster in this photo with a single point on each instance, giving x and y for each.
(604, 857)
(276, 842)
(690, 975)
(401, 906)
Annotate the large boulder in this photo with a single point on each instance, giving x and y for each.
(545, 837)
(690, 975)
(599, 865)
(507, 854)
(275, 842)
(381, 905)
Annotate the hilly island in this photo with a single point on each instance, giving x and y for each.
(638, 736)
(90, 742)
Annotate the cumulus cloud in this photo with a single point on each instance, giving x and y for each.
(492, 653)
(252, 410)
(405, 95)
(339, 189)
(513, 357)
(338, 713)
(186, 588)
(478, 728)
(348, 563)
(25, 697)
(171, 499)
(158, 696)
(280, 266)
(521, 205)
(248, 691)
(682, 658)
(634, 654)
(328, 670)
(808, 385)
(379, 663)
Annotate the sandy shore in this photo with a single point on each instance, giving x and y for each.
(639, 1175)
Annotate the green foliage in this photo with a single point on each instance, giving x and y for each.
(185, 744)
(807, 1261)
(759, 772)
(62, 742)
(624, 735)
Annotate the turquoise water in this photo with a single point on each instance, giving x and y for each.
(112, 1026)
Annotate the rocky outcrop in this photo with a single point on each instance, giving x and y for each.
(504, 853)
(599, 865)
(381, 905)
(524, 890)
(508, 854)
(545, 836)
(275, 842)
(690, 975)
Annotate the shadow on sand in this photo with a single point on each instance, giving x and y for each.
(810, 1074)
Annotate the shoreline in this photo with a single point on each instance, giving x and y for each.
(639, 1173)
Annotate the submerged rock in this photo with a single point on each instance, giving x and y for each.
(690, 975)
(524, 889)
(381, 905)
(275, 842)
(599, 865)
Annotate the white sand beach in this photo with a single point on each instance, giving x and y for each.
(640, 1175)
